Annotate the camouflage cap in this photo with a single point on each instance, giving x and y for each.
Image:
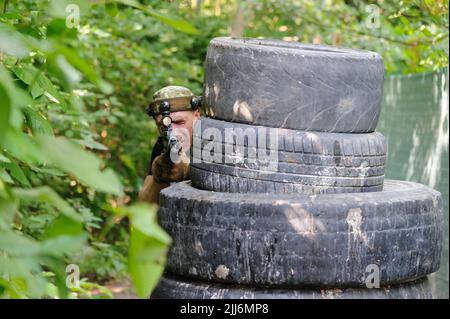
(178, 97)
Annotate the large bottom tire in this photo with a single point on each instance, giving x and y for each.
(176, 288)
(327, 240)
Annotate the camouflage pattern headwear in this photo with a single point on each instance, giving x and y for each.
(178, 97)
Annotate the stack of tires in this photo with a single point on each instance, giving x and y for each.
(314, 218)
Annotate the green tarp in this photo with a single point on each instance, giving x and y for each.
(414, 119)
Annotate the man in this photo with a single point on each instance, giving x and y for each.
(163, 170)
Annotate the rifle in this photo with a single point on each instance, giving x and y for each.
(171, 144)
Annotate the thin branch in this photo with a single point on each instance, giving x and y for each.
(5, 4)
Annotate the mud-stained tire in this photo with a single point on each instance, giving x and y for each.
(179, 288)
(326, 240)
(255, 159)
(293, 85)
(250, 181)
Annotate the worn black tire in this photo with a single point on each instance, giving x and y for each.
(303, 162)
(179, 288)
(293, 85)
(222, 178)
(325, 240)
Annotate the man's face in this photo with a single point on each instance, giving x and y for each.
(182, 125)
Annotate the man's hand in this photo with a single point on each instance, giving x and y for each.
(164, 171)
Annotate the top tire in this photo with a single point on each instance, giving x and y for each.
(293, 85)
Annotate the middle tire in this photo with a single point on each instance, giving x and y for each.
(234, 157)
(329, 240)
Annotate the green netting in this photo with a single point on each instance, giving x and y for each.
(414, 120)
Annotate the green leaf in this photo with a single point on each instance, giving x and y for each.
(17, 173)
(91, 144)
(86, 289)
(51, 291)
(57, 28)
(57, 265)
(37, 122)
(48, 170)
(46, 194)
(63, 245)
(405, 21)
(178, 24)
(9, 290)
(128, 161)
(18, 98)
(4, 159)
(16, 244)
(71, 75)
(63, 8)
(39, 84)
(143, 218)
(28, 74)
(11, 15)
(75, 60)
(427, 32)
(105, 87)
(111, 9)
(12, 42)
(4, 196)
(72, 159)
(36, 91)
(22, 146)
(146, 261)
(62, 225)
(5, 108)
(50, 91)
(5, 176)
(8, 209)
(148, 247)
(24, 278)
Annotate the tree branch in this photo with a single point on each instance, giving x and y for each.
(5, 4)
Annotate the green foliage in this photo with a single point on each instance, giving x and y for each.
(46, 138)
(148, 245)
(411, 35)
